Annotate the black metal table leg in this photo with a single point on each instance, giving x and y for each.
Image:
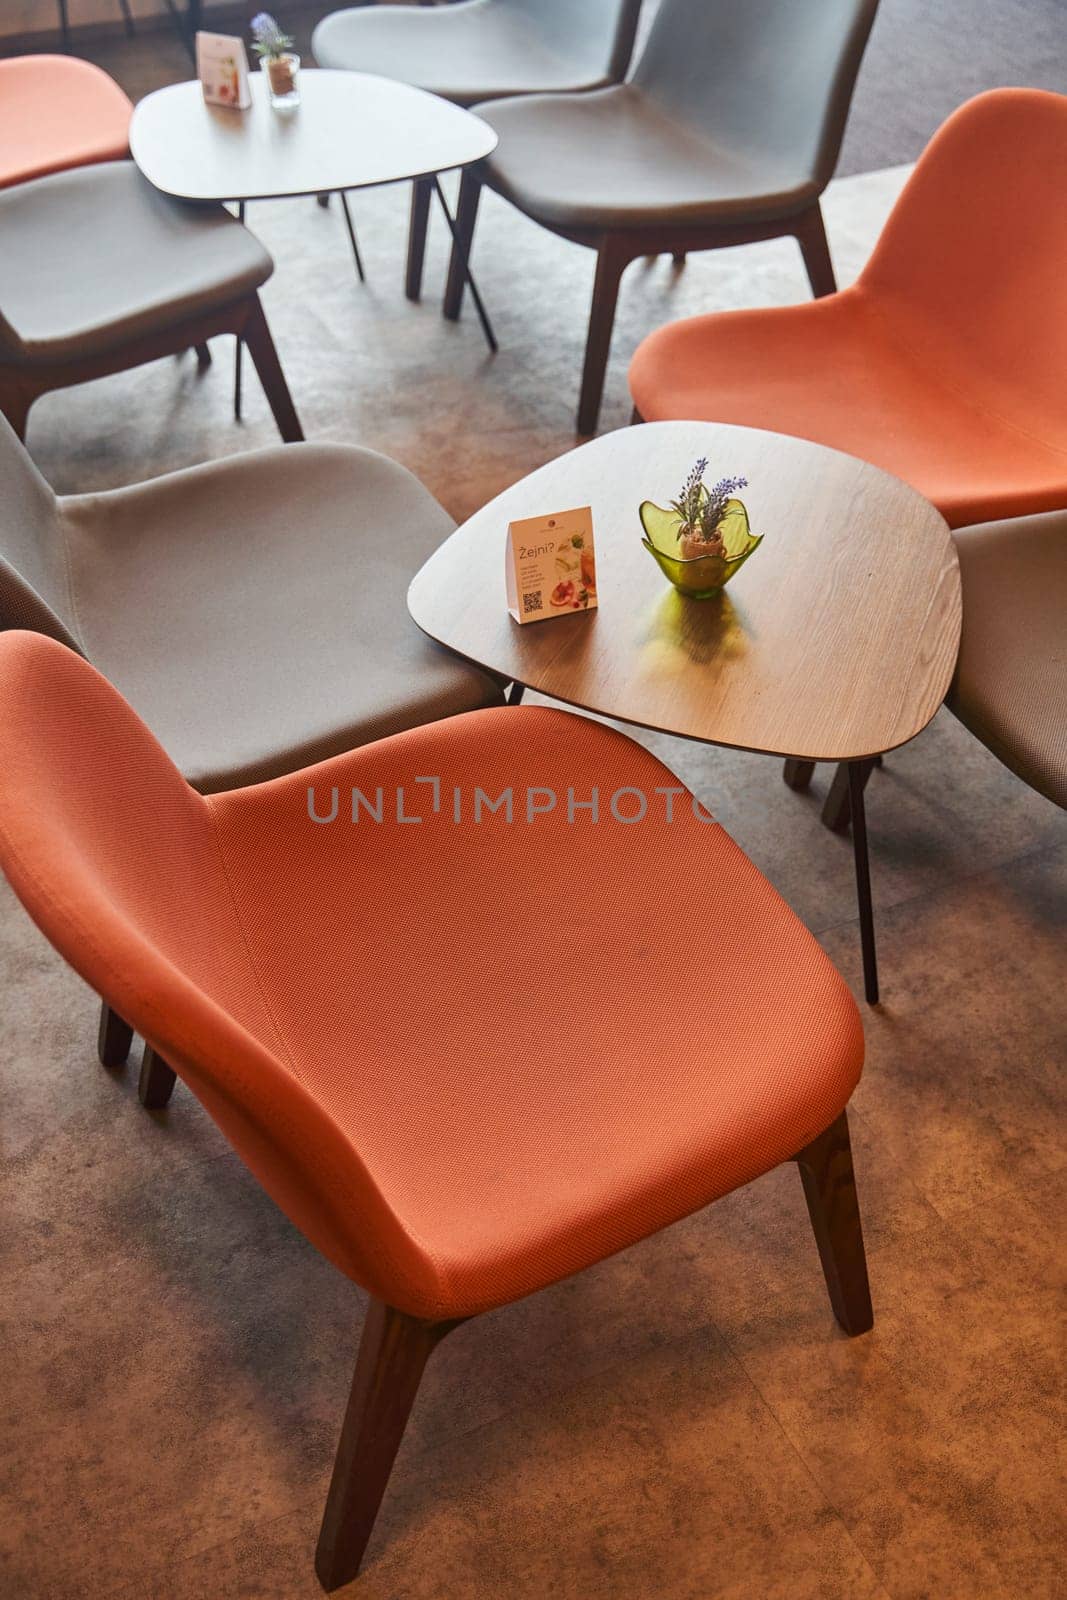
(238, 359)
(515, 694)
(352, 237)
(857, 774)
(483, 318)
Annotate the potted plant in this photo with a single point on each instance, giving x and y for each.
(703, 537)
(275, 51)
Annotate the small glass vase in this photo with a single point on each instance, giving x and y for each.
(699, 577)
(283, 80)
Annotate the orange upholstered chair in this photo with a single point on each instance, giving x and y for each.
(467, 1057)
(58, 112)
(945, 363)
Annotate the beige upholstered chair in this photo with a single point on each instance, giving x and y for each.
(728, 132)
(100, 272)
(480, 50)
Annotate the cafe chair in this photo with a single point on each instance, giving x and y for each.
(466, 1059)
(944, 363)
(256, 626)
(100, 272)
(58, 112)
(480, 50)
(728, 132)
(63, 7)
(1010, 687)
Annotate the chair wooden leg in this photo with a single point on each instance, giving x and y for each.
(811, 237)
(679, 258)
(257, 337)
(798, 774)
(156, 1083)
(114, 1038)
(830, 1190)
(611, 263)
(421, 195)
(393, 1353)
(203, 357)
(15, 406)
(470, 192)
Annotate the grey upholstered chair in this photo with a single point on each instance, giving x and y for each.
(99, 272)
(256, 628)
(1010, 687)
(728, 132)
(479, 50)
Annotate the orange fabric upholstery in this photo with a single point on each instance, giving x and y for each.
(945, 362)
(58, 112)
(466, 1059)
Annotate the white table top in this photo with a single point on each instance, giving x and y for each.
(350, 131)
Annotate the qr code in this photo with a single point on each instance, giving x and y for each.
(531, 601)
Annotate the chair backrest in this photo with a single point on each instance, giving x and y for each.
(975, 256)
(597, 33)
(34, 591)
(772, 76)
(119, 863)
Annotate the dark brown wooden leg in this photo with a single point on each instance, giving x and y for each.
(421, 195)
(15, 405)
(611, 263)
(257, 337)
(156, 1083)
(114, 1039)
(470, 192)
(679, 258)
(323, 200)
(830, 1190)
(393, 1352)
(798, 774)
(811, 237)
(203, 356)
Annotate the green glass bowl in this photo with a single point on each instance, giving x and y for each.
(701, 576)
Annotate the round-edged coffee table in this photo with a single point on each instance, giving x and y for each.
(836, 641)
(351, 130)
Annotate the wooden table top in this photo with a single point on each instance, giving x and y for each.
(836, 640)
(350, 131)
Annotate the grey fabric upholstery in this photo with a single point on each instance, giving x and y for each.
(480, 49)
(734, 113)
(1010, 687)
(253, 611)
(95, 257)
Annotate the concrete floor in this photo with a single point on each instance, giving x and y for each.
(684, 1422)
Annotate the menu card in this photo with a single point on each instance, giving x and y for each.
(550, 565)
(222, 67)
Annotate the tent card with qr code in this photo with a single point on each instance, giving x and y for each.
(551, 571)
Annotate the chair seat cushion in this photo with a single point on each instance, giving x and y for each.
(544, 1039)
(254, 610)
(97, 257)
(1010, 687)
(615, 159)
(465, 53)
(841, 372)
(58, 112)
